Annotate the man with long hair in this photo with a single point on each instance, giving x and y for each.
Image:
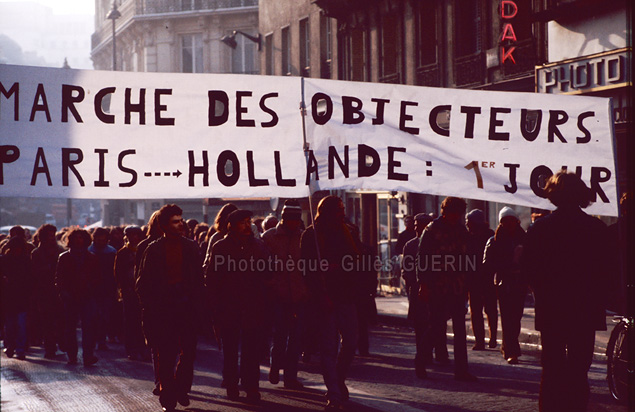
(332, 294)
(566, 259)
(169, 286)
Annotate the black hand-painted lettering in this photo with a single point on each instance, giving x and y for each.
(198, 170)
(40, 166)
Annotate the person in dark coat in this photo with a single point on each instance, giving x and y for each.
(220, 230)
(366, 268)
(408, 233)
(502, 257)
(107, 289)
(49, 309)
(332, 294)
(443, 267)
(565, 256)
(237, 278)
(482, 293)
(136, 348)
(77, 280)
(289, 295)
(170, 286)
(152, 233)
(418, 310)
(16, 275)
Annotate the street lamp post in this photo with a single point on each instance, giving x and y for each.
(113, 15)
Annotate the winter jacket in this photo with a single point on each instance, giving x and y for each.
(237, 279)
(565, 256)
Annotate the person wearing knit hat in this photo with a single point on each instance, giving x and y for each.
(502, 257)
(482, 293)
(507, 211)
(291, 210)
(290, 295)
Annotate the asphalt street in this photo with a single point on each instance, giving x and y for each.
(383, 381)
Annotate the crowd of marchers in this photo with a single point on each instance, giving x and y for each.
(157, 289)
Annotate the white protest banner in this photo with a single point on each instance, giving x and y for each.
(121, 135)
(109, 135)
(391, 137)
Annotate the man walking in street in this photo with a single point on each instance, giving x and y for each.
(237, 278)
(124, 274)
(566, 258)
(107, 289)
(481, 285)
(77, 280)
(289, 294)
(44, 259)
(418, 310)
(332, 292)
(443, 265)
(170, 286)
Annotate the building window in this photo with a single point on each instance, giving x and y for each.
(467, 28)
(427, 36)
(326, 51)
(390, 48)
(192, 53)
(243, 56)
(269, 54)
(286, 52)
(355, 55)
(305, 48)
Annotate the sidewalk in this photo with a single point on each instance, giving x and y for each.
(393, 309)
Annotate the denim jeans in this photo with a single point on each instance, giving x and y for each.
(340, 322)
(15, 332)
(86, 311)
(287, 339)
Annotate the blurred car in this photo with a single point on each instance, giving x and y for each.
(30, 230)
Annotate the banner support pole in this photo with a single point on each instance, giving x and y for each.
(305, 147)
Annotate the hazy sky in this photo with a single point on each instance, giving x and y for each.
(64, 6)
(46, 38)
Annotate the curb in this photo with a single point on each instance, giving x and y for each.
(529, 339)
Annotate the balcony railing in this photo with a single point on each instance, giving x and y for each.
(394, 78)
(469, 70)
(429, 75)
(177, 6)
(130, 9)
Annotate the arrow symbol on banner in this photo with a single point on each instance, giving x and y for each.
(150, 174)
